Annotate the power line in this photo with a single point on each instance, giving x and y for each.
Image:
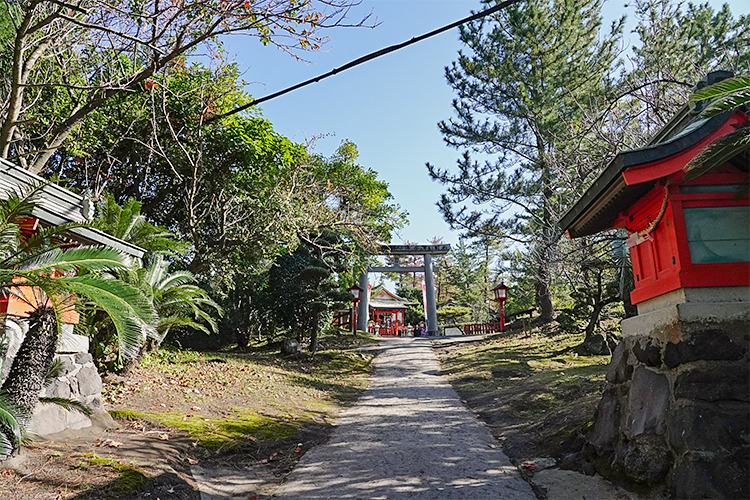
(368, 57)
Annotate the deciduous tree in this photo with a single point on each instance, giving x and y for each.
(66, 59)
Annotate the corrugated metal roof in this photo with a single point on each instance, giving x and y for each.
(56, 205)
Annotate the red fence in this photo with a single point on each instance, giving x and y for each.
(479, 328)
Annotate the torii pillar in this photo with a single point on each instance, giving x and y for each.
(430, 305)
(363, 310)
(363, 306)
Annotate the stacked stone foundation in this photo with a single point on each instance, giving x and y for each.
(79, 381)
(675, 413)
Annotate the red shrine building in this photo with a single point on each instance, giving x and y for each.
(387, 312)
(682, 233)
(675, 412)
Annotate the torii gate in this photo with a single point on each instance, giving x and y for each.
(427, 251)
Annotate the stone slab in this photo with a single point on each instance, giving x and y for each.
(648, 401)
(72, 343)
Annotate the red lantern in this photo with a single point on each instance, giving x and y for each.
(355, 291)
(501, 295)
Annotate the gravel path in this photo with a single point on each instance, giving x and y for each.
(407, 437)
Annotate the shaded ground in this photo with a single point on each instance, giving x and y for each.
(535, 393)
(538, 397)
(407, 437)
(184, 411)
(186, 415)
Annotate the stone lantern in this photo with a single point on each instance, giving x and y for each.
(676, 408)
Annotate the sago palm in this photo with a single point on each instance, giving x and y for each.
(38, 272)
(726, 95)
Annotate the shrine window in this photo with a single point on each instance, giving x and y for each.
(718, 234)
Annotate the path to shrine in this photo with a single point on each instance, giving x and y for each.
(407, 437)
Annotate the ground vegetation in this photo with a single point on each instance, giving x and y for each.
(182, 409)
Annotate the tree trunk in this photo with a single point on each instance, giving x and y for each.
(314, 334)
(30, 366)
(128, 364)
(594, 319)
(544, 301)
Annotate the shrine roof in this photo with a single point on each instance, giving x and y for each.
(381, 298)
(56, 206)
(633, 173)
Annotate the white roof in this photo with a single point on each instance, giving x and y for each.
(56, 205)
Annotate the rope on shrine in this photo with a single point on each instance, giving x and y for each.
(652, 225)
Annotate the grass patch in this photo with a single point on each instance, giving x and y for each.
(126, 415)
(232, 399)
(529, 383)
(230, 432)
(129, 481)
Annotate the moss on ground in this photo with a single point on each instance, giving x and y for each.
(231, 431)
(529, 383)
(231, 399)
(129, 481)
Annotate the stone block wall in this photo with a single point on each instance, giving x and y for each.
(79, 381)
(676, 411)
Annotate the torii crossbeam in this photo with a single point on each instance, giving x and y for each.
(429, 280)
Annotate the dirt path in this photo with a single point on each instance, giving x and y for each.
(408, 437)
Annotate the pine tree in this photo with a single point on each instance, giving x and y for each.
(518, 84)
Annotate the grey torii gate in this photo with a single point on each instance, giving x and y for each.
(429, 280)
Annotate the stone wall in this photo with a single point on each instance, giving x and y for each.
(676, 409)
(79, 381)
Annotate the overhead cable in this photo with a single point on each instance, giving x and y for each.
(368, 57)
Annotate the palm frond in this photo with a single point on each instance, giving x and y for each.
(94, 258)
(168, 323)
(19, 205)
(44, 236)
(724, 95)
(176, 279)
(717, 152)
(55, 370)
(724, 87)
(39, 261)
(68, 404)
(130, 312)
(11, 438)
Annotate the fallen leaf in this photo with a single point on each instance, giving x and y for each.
(114, 444)
(192, 461)
(195, 408)
(164, 437)
(297, 450)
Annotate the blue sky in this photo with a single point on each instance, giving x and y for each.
(388, 107)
